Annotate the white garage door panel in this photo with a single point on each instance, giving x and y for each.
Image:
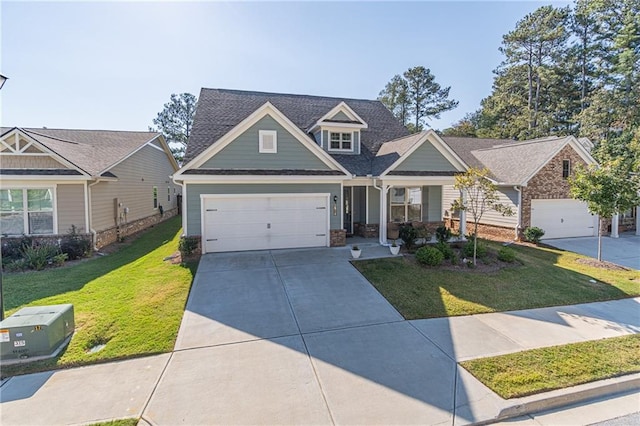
(265, 222)
(563, 218)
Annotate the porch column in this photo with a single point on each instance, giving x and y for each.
(614, 226)
(383, 214)
(638, 220)
(463, 216)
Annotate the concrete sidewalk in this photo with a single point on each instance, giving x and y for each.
(124, 389)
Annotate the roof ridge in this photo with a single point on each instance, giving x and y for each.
(35, 129)
(520, 143)
(51, 137)
(298, 95)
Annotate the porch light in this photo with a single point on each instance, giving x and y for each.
(2, 80)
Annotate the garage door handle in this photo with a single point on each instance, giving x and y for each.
(321, 235)
(212, 239)
(321, 208)
(212, 210)
(268, 226)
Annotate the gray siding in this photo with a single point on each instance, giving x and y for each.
(71, 207)
(431, 203)
(374, 205)
(242, 153)
(318, 135)
(340, 116)
(195, 190)
(507, 196)
(29, 162)
(426, 158)
(137, 176)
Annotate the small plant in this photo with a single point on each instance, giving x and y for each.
(507, 254)
(75, 245)
(429, 256)
(533, 234)
(481, 249)
(355, 248)
(443, 234)
(15, 265)
(408, 234)
(394, 244)
(187, 246)
(59, 259)
(445, 249)
(38, 256)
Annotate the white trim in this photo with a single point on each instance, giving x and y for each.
(438, 144)
(261, 147)
(244, 125)
(259, 179)
(184, 208)
(5, 178)
(346, 109)
(25, 206)
(340, 208)
(420, 181)
(366, 201)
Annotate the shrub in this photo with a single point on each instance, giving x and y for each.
(533, 234)
(507, 254)
(481, 249)
(59, 259)
(445, 249)
(75, 245)
(429, 256)
(408, 235)
(11, 247)
(187, 246)
(443, 234)
(38, 256)
(15, 265)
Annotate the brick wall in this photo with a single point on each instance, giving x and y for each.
(338, 237)
(485, 231)
(548, 182)
(111, 235)
(369, 230)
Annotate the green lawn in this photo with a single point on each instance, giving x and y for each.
(545, 369)
(131, 300)
(544, 277)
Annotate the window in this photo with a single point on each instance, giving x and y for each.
(566, 168)
(155, 197)
(340, 141)
(268, 141)
(406, 205)
(168, 194)
(26, 211)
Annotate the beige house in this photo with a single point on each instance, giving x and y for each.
(105, 183)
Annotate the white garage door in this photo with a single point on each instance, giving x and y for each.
(563, 218)
(259, 222)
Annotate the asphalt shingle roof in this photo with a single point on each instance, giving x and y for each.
(220, 110)
(93, 151)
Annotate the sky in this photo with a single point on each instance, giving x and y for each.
(113, 65)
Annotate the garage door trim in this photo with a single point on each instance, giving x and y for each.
(203, 197)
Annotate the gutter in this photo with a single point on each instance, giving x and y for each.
(94, 234)
(519, 221)
(383, 216)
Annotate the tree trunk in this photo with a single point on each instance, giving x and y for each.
(530, 82)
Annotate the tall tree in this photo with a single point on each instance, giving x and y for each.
(467, 126)
(415, 96)
(175, 122)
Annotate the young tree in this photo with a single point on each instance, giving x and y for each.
(608, 190)
(175, 122)
(416, 96)
(480, 194)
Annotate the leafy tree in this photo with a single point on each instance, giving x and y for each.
(480, 195)
(608, 190)
(175, 122)
(415, 96)
(465, 127)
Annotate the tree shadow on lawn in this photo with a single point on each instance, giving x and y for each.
(24, 288)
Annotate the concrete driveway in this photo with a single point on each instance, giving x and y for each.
(623, 251)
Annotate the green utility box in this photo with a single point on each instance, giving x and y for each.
(36, 332)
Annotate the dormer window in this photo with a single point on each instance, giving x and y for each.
(340, 141)
(268, 142)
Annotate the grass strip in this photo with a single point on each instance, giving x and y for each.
(542, 277)
(131, 301)
(545, 369)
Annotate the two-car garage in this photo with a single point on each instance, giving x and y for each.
(264, 221)
(563, 218)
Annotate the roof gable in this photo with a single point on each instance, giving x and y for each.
(267, 109)
(342, 116)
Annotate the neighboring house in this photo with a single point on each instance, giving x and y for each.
(266, 170)
(532, 179)
(105, 183)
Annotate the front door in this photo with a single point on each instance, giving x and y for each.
(348, 210)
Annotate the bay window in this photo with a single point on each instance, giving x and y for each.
(405, 205)
(26, 211)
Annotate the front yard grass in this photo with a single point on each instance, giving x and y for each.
(540, 370)
(543, 277)
(131, 301)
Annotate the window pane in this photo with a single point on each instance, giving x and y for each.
(415, 195)
(11, 224)
(397, 195)
(11, 200)
(397, 214)
(39, 200)
(41, 223)
(346, 137)
(155, 197)
(335, 141)
(415, 213)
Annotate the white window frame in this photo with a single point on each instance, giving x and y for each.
(405, 203)
(342, 141)
(261, 147)
(25, 208)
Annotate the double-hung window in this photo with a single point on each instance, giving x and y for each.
(26, 211)
(340, 141)
(406, 204)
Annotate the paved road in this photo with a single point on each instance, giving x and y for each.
(624, 251)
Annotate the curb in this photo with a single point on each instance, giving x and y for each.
(563, 397)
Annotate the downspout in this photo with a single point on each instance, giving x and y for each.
(94, 234)
(383, 214)
(519, 221)
(182, 207)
